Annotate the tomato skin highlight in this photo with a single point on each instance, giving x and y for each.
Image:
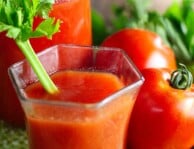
(163, 117)
(144, 47)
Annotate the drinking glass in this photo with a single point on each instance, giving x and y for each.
(80, 123)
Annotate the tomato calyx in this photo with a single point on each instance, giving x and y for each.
(181, 78)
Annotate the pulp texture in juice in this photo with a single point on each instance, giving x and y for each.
(75, 127)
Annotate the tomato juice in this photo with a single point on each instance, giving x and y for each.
(97, 90)
(75, 29)
(82, 126)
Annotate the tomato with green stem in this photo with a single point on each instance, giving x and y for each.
(144, 47)
(163, 115)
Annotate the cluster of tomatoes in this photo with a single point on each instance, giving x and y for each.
(163, 115)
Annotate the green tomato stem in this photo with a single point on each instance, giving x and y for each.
(181, 78)
(39, 70)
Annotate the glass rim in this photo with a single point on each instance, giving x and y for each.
(23, 98)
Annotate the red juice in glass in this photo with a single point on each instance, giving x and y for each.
(93, 106)
(75, 16)
(79, 128)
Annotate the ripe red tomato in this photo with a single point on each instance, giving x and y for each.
(144, 47)
(163, 116)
